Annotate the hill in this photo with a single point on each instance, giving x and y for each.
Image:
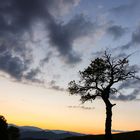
(134, 135)
(35, 133)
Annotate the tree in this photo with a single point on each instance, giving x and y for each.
(13, 133)
(3, 128)
(98, 80)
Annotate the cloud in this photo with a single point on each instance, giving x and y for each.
(62, 36)
(32, 76)
(46, 59)
(126, 46)
(17, 65)
(11, 63)
(17, 18)
(133, 83)
(52, 85)
(126, 9)
(122, 55)
(82, 107)
(136, 36)
(117, 55)
(119, 131)
(135, 40)
(62, 7)
(130, 97)
(116, 31)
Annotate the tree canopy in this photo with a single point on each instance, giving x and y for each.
(100, 76)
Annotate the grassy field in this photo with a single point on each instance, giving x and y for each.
(135, 135)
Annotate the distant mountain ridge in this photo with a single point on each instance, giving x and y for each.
(35, 133)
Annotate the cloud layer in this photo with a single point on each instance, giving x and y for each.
(17, 19)
(116, 31)
(130, 8)
(62, 36)
(81, 107)
(17, 23)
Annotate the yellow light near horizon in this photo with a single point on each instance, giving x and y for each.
(51, 125)
(51, 122)
(48, 109)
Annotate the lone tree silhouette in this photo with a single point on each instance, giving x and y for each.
(98, 80)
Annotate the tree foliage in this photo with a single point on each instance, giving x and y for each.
(3, 128)
(99, 78)
(13, 132)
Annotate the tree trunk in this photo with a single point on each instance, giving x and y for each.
(108, 123)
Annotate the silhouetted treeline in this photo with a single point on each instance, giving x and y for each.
(8, 132)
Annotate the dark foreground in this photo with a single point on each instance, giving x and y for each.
(135, 135)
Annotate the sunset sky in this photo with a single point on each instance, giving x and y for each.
(44, 44)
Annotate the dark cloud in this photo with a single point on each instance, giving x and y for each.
(111, 51)
(126, 46)
(122, 55)
(130, 97)
(46, 59)
(135, 40)
(127, 9)
(62, 36)
(132, 84)
(17, 66)
(52, 85)
(11, 63)
(136, 36)
(62, 7)
(18, 15)
(17, 18)
(82, 107)
(32, 76)
(116, 31)
(129, 84)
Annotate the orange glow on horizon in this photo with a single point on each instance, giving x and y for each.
(56, 127)
(51, 124)
(24, 105)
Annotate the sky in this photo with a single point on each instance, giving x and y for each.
(44, 44)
